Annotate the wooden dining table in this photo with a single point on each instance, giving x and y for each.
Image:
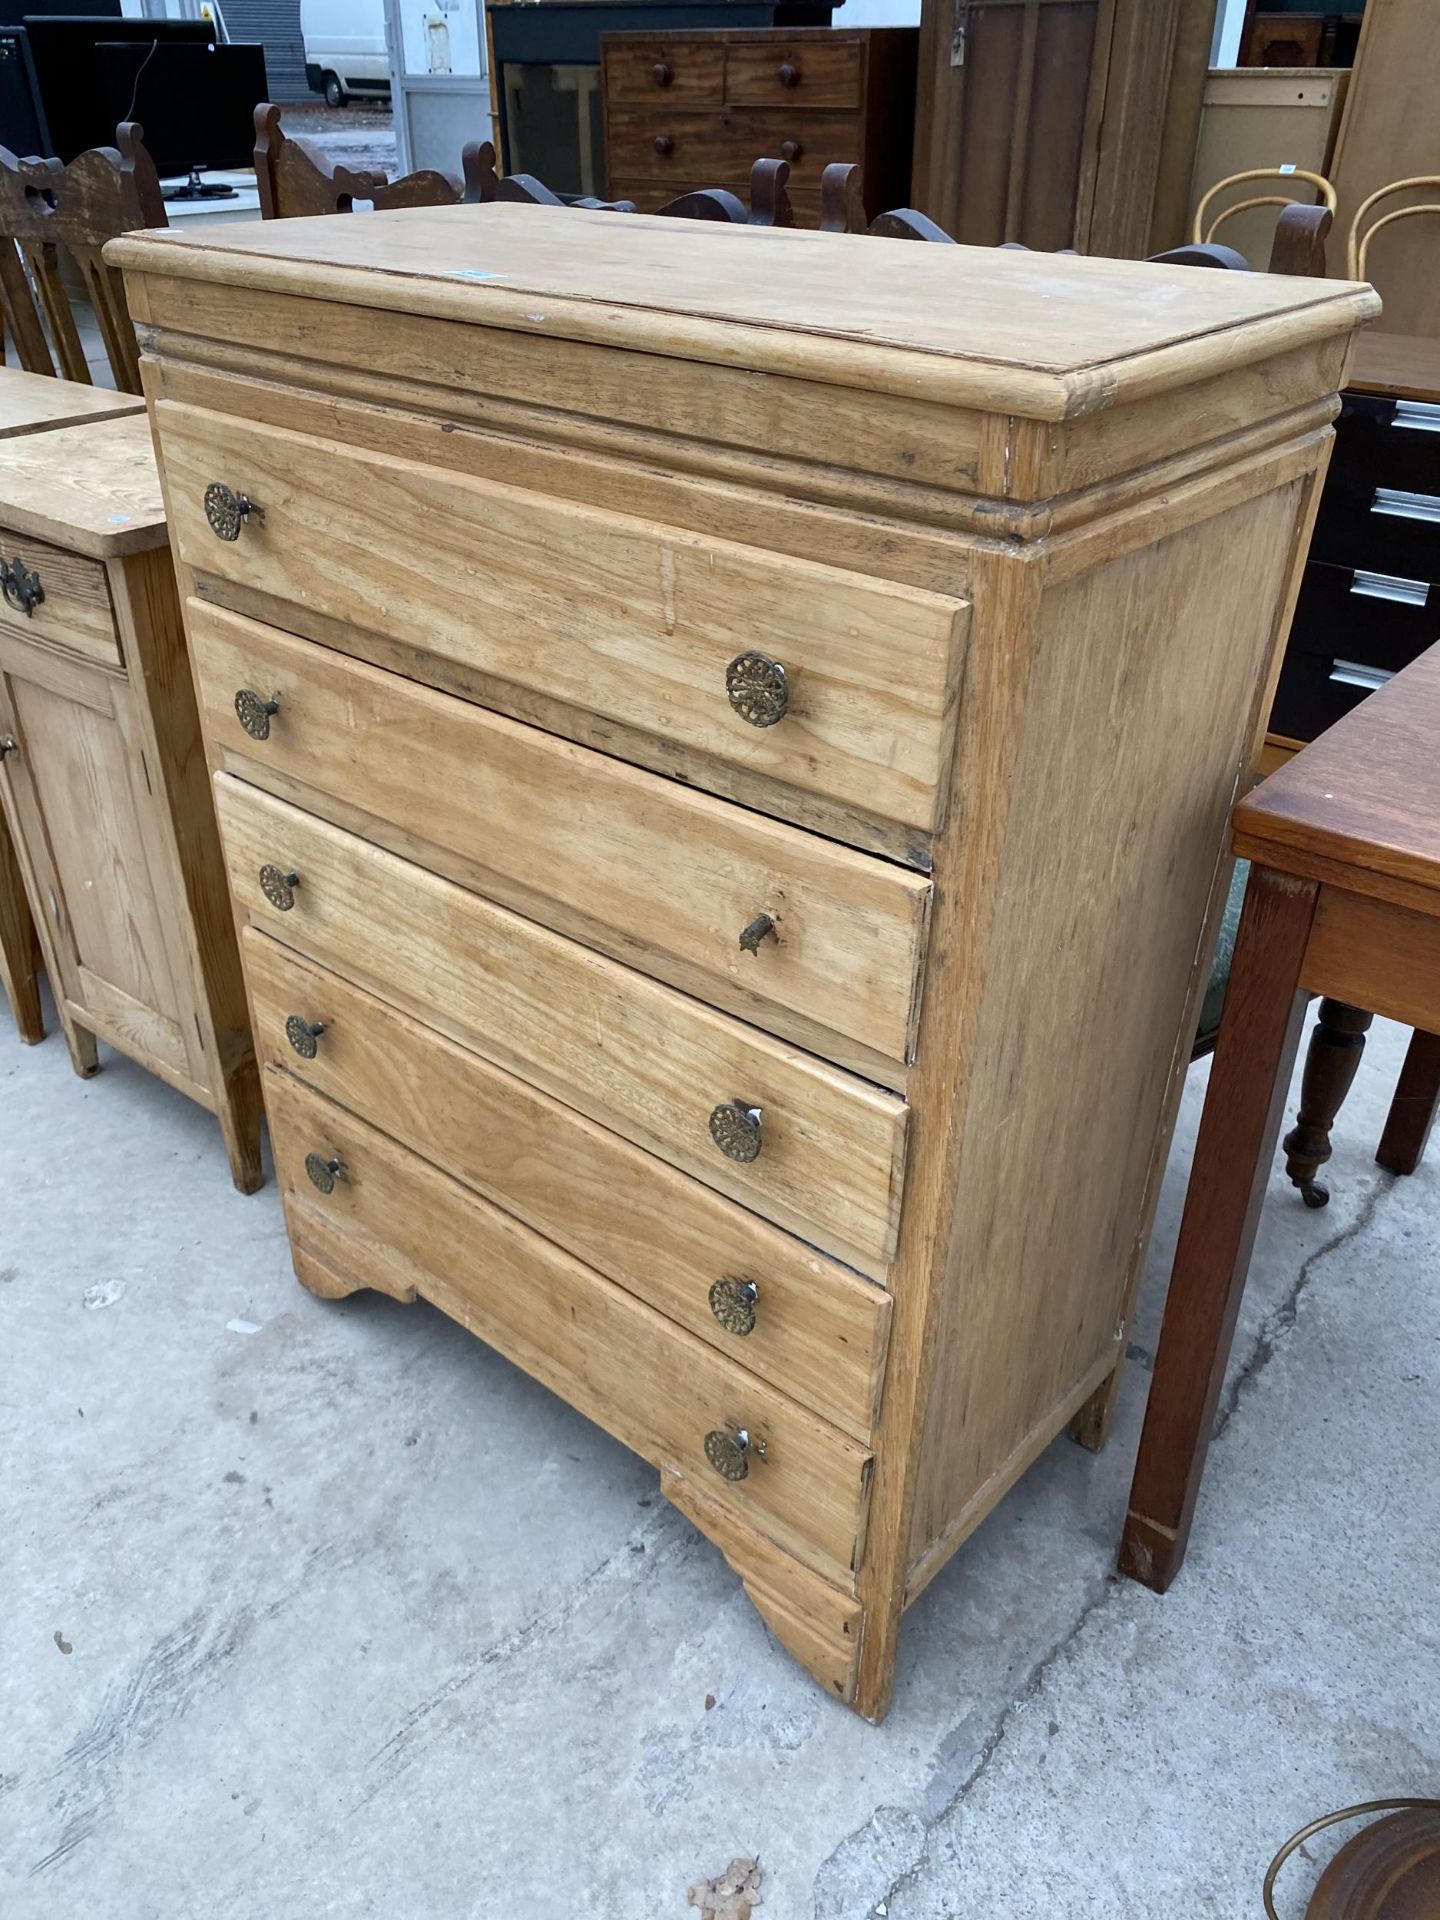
(1343, 901)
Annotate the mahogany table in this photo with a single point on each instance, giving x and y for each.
(1343, 901)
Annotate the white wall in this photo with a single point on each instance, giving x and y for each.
(872, 13)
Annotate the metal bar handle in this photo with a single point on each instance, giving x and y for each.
(1351, 673)
(1390, 586)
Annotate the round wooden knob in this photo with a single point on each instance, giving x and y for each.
(791, 150)
(788, 75)
(664, 145)
(662, 73)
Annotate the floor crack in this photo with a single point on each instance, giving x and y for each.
(1033, 1682)
(1277, 1324)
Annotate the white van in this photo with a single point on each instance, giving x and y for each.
(345, 49)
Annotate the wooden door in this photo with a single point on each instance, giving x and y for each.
(88, 836)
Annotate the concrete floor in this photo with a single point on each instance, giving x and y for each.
(315, 1609)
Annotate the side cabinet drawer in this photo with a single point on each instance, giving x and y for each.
(642, 1060)
(49, 594)
(649, 870)
(404, 1226)
(614, 615)
(765, 1300)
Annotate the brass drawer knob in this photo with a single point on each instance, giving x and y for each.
(227, 511)
(662, 73)
(254, 713)
(788, 74)
(303, 1035)
(21, 586)
(664, 145)
(278, 887)
(324, 1173)
(762, 927)
(735, 1129)
(756, 688)
(733, 1304)
(729, 1451)
(8, 744)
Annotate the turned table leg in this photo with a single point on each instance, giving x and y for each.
(1334, 1054)
(1249, 1079)
(1412, 1112)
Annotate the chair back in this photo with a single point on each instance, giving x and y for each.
(1200, 232)
(295, 178)
(1367, 223)
(49, 211)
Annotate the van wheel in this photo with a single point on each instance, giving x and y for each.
(335, 94)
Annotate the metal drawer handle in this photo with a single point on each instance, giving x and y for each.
(278, 887)
(788, 75)
(254, 713)
(1422, 416)
(662, 73)
(227, 511)
(324, 1173)
(1406, 506)
(735, 1129)
(664, 145)
(757, 688)
(1351, 673)
(21, 586)
(8, 744)
(791, 150)
(729, 1449)
(733, 1303)
(762, 927)
(303, 1035)
(1389, 586)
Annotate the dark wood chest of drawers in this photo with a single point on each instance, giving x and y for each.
(688, 110)
(1370, 598)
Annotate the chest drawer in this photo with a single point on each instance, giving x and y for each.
(645, 1062)
(667, 69)
(659, 1390)
(636, 622)
(673, 145)
(794, 73)
(812, 1328)
(664, 876)
(1374, 619)
(49, 594)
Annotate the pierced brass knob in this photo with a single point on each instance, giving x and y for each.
(735, 1129)
(756, 688)
(733, 1304)
(324, 1173)
(254, 714)
(303, 1034)
(278, 887)
(21, 586)
(788, 75)
(8, 744)
(664, 145)
(791, 150)
(662, 73)
(762, 927)
(729, 1451)
(227, 511)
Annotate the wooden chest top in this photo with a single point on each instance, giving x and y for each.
(1043, 336)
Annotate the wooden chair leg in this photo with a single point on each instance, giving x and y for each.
(1335, 1049)
(1259, 1038)
(1412, 1112)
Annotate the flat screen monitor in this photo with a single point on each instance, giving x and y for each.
(196, 104)
(66, 56)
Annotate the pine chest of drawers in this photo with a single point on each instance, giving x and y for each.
(723, 740)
